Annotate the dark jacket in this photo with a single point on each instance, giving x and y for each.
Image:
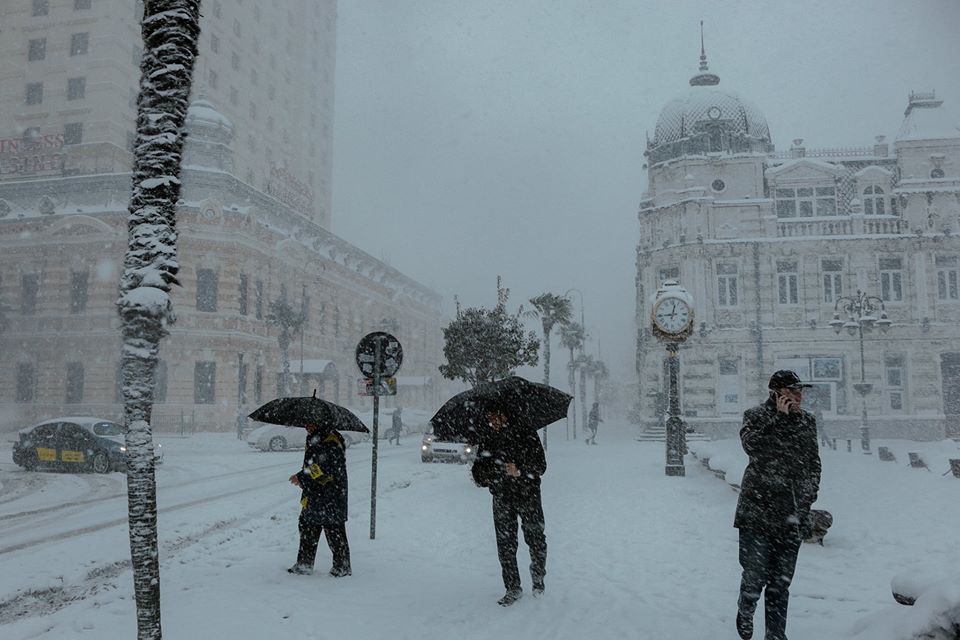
(324, 479)
(522, 448)
(397, 421)
(783, 476)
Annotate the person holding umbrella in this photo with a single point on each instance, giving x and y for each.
(323, 501)
(509, 463)
(503, 417)
(322, 477)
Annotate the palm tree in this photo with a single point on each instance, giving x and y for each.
(600, 373)
(572, 337)
(289, 322)
(586, 364)
(552, 310)
(170, 31)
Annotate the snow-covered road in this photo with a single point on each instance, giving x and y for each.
(632, 553)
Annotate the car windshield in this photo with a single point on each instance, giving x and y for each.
(107, 429)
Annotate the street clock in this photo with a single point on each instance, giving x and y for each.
(671, 317)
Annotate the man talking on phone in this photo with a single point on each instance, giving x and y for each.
(779, 486)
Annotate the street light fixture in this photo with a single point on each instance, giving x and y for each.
(861, 309)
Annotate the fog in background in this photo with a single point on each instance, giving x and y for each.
(499, 137)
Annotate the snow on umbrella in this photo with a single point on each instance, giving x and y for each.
(297, 412)
(527, 405)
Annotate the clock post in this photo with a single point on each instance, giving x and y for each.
(671, 319)
(676, 431)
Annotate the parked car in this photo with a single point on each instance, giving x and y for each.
(433, 450)
(75, 444)
(272, 437)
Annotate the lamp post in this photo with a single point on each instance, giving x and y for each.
(860, 310)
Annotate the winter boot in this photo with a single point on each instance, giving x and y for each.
(538, 588)
(511, 596)
(300, 570)
(340, 572)
(744, 626)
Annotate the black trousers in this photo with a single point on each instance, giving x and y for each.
(769, 559)
(336, 540)
(507, 509)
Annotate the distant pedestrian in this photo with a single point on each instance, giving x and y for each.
(397, 425)
(773, 512)
(509, 463)
(323, 501)
(592, 422)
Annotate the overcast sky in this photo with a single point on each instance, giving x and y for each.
(486, 137)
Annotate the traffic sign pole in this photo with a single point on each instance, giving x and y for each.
(376, 421)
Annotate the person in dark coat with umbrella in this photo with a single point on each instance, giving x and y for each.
(323, 481)
(509, 463)
(779, 486)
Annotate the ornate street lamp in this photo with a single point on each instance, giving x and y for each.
(860, 311)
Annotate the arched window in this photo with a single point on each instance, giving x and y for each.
(874, 201)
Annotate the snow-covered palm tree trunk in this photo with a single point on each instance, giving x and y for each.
(170, 30)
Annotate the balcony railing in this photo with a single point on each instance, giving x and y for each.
(840, 226)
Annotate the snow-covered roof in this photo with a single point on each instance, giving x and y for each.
(827, 167)
(927, 120)
(704, 104)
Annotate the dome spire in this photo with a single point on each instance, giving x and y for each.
(704, 78)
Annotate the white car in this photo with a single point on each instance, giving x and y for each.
(433, 450)
(272, 437)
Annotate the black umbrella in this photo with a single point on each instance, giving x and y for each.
(527, 405)
(297, 412)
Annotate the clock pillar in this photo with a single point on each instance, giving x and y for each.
(676, 431)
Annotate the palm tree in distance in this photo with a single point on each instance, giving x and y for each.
(572, 337)
(552, 310)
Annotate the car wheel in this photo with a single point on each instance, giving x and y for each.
(100, 462)
(425, 459)
(277, 443)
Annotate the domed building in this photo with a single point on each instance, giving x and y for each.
(774, 247)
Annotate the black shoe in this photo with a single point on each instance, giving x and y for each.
(744, 626)
(340, 572)
(538, 588)
(511, 596)
(300, 570)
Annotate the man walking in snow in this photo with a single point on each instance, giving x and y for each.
(509, 463)
(323, 501)
(397, 425)
(779, 486)
(592, 423)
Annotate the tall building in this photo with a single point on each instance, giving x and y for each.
(768, 242)
(254, 220)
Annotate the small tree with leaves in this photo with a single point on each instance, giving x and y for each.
(289, 322)
(482, 345)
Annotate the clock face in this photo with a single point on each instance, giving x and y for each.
(672, 315)
(714, 113)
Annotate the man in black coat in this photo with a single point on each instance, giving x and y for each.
(323, 501)
(779, 486)
(509, 463)
(397, 425)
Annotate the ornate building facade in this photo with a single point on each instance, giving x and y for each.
(768, 242)
(253, 226)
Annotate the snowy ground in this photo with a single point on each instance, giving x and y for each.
(632, 553)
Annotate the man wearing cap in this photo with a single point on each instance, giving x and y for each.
(779, 486)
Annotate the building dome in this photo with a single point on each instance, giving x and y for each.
(705, 120)
(203, 116)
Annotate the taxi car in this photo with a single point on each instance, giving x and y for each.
(74, 444)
